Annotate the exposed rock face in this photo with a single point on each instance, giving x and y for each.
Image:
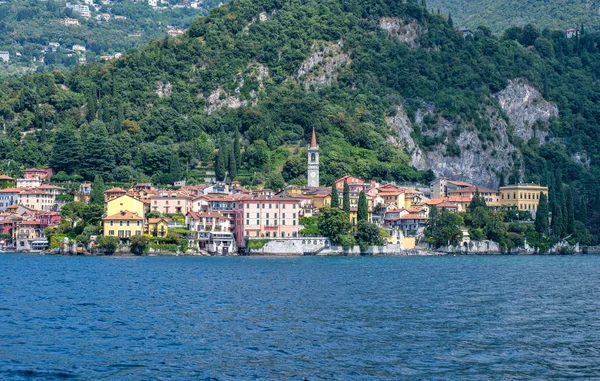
(525, 106)
(219, 98)
(322, 67)
(404, 128)
(262, 16)
(163, 89)
(407, 33)
(478, 162)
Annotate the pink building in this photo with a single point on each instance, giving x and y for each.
(37, 173)
(267, 217)
(171, 202)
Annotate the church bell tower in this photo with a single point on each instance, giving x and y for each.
(313, 161)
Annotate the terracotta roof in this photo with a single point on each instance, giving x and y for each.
(4, 177)
(460, 183)
(458, 199)
(198, 215)
(34, 191)
(473, 189)
(48, 187)
(313, 140)
(115, 190)
(434, 201)
(412, 216)
(11, 190)
(124, 215)
(156, 220)
(361, 181)
(446, 204)
(31, 222)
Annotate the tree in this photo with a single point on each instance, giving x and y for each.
(450, 22)
(530, 34)
(334, 223)
(335, 198)
(557, 225)
(363, 208)
(98, 155)
(368, 235)
(275, 181)
(501, 181)
(66, 154)
(97, 193)
(236, 147)
(232, 164)
(346, 198)
(541, 215)
(108, 243)
(569, 211)
(443, 228)
(476, 202)
(138, 243)
(220, 165)
(175, 168)
(347, 241)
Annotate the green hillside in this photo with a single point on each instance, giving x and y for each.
(502, 14)
(27, 27)
(247, 84)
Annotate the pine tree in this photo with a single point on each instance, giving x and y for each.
(335, 198)
(346, 198)
(569, 212)
(363, 208)
(476, 202)
(541, 216)
(232, 163)
(98, 155)
(97, 193)
(220, 165)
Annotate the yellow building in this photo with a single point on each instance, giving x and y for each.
(321, 200)
(123, 224)
(525, 197)
(125, 203)
(158, 227)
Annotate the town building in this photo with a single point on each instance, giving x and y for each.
(123, 225)
(158, 227)
(313, 161)
(125, 203)
(491, 197)
(210, 232)
(112, 193)
(267, 217)
(525, 197)
(4, 56)
(442, 187)
(70, 21)
(78, 48)
(37, 199)
(8, 197)
(168, 202)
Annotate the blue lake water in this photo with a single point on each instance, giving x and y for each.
(346, 318)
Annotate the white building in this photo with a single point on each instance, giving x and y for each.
(4, 55)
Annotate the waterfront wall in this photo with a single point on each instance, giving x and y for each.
(322, 246)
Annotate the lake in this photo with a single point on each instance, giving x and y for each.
(302, 318)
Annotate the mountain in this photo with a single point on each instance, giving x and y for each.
(393, 91)
(499, 15)
(27, 28)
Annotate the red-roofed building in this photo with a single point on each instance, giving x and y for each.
(442, 187)
(489, 195)
(211, 233)
(113, 193)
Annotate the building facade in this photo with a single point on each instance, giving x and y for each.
(524, 197)
(313, 161)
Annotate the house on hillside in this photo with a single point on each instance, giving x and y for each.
(4, 55)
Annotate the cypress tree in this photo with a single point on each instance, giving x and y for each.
(363, 208)
(450, 22)
(232, 163)
(346, 198)
(569, 212)
(541, 216)
(105, 111)
(582, 211)
(502, 181)
(236, 146)
(335, 198)
(220, 165)
(175, 168)
(97, 193)
(91, 107)
(557, 224)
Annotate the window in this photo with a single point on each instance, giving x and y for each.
(294, 206)
(127, 223)
(120, 223)
(263, 206)
(247, 222)
(270, 206)
(112, 223)
(283, 215)
(294, 215)
(258, 222)
(283, 206)
(267, 223)
(139, 223)
(294, 222)
(275, 215)
(274, 234)
(283, 222)
(248, 206)
(111, 232)
(137, 232)
(247, 215)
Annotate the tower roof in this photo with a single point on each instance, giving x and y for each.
(313, 141)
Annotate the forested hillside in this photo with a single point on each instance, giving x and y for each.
(27, 27)
(388, 87)
(502, 14)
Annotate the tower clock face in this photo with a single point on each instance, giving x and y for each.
(312, 174)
